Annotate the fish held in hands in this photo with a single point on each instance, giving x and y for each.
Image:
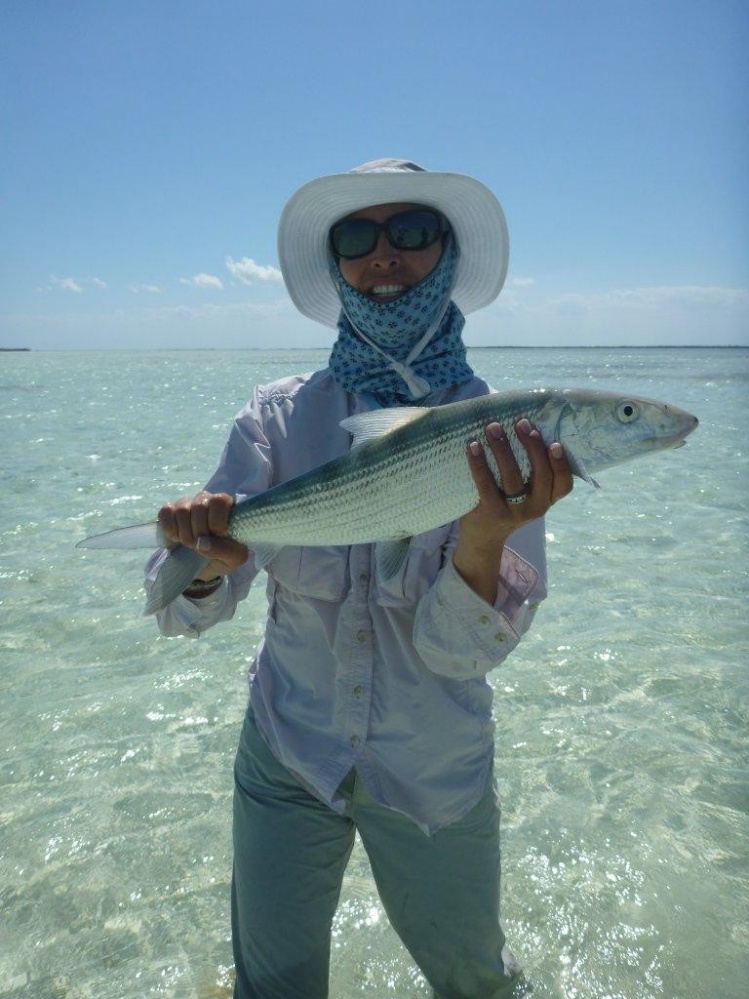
(406, 473)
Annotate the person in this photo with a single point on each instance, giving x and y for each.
(369, 706)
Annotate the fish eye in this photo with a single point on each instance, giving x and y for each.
(626, 412)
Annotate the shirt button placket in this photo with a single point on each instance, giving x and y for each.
(361, 659)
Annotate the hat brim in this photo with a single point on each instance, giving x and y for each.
(474, 213)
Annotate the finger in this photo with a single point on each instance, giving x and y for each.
(480, 471)
(168, 523)
(190, 518)
(510, 474)
(199, 515)
(541, 477)
(167, 518)
(183, 526)
(562, 474)
(219, 509)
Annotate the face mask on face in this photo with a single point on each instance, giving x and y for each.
(400, 351)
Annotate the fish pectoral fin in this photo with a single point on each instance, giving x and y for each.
(578, 468)
(366, 427)
(390, 556)
(137, 536)
(180, 567)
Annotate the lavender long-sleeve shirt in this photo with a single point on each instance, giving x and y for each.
(387, 676)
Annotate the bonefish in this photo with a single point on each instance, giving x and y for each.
(406, 473)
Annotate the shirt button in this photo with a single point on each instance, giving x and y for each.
(358, 691)
(354, 740)
(364, 578)
(500, 637)
(484, 619)
(361, 637)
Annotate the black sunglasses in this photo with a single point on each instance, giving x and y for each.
(414, 229)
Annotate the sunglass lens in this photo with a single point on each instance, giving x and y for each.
(354, 237)
(413, 230)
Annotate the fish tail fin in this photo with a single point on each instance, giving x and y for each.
(138, 536)
(179, 569)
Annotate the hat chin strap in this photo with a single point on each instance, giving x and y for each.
(417, 386)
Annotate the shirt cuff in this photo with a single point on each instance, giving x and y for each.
(184, 616)
(517, 581)
(460, 635)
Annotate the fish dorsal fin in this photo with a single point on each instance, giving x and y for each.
(366, 427)
(390, 556)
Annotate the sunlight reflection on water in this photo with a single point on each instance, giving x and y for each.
(621, 719)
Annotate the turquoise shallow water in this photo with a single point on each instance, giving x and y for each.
(621, 720)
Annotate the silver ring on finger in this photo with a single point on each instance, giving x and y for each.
(516, 498)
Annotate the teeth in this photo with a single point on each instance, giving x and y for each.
(388, 289)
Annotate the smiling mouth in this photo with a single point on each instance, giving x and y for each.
(388, 290)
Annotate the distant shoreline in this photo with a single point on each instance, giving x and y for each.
(469, 346)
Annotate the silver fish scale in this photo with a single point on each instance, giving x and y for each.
(407, 482)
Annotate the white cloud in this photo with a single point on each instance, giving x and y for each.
(203, 281)
(73, 284)
(663, 316)
(151, 289)
(521, 282)
(248, 272)
(67, 284)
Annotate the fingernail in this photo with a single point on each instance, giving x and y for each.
(497, 433)
(524, 427)
(204, 545)
(475, 448)
(556, 450)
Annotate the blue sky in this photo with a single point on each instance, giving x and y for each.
(148, 148)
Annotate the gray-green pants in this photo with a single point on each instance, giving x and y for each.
(440, 892)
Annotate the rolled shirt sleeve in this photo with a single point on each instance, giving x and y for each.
(459, 635)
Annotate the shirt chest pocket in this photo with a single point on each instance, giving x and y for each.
(319, 573)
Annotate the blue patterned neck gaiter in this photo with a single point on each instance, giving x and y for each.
(401, 351)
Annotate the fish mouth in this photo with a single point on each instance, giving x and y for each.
(689, 425)
(679, 436)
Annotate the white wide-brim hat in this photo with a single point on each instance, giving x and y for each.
(474, 213)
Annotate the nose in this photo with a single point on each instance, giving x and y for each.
(384, 254)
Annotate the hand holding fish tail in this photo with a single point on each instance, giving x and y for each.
(202, 522)
(500, 511)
